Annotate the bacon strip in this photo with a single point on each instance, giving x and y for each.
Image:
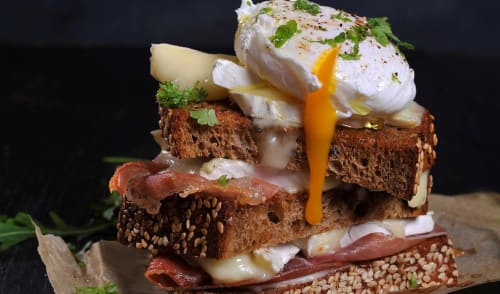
(370, 247)
(147, 183)
(172, 271)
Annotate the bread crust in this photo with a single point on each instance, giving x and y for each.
(390, 159)
(204, 225)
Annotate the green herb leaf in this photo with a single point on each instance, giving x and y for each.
(381, 30)
(109, 288)
(340, 16)
(170, 95)
(354, 55)
(395, 78)
(307, 6)
(120, 159)
(413, 281)
(284, 33)
(14, 230)
(265, 10)
(249, 3)
(340, 38)
(222, 180)
(204, 116)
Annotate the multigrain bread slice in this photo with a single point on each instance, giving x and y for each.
(389, 159)
(426, 265)
(204, 225)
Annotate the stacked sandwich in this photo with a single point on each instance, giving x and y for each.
(302, 164)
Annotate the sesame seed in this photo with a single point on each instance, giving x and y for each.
(204, 231)
(220, 228)
(176, 246)
(197, 242)
(214, 202)
(190, 236)
(206, 203)
(183, 235)
(219, 206)
(188, 224)
(144, 244)
(455, 273)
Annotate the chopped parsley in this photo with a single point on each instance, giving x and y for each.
(265, 10)
(340, 38)
(284, 33)
(222, 180)
(109, 288)
(382, 32)
(395, 78)
(170, 95)
(413, 281)
(307, 6)
(204, 116)
(340, 16)
(378, 28)
(353, 55)
(249, 3)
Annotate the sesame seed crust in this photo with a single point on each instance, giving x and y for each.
(204, 225)
(429, 264)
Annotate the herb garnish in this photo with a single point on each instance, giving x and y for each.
(382, 32)
(413, 281)
(204, 116)
(284, 33)
(170, 95)
(395, 78)
(16, 229)
(340, 16)
(378, 27)
(307, 6)
(265, 10)
(222, 180)
(109, 288)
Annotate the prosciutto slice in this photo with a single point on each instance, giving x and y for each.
(369, 247)
(147, 183)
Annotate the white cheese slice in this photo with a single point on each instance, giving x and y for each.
(256, 98)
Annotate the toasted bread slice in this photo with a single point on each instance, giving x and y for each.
(425, 266)
(203, 225)
(390, 159)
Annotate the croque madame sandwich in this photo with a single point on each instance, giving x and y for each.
(300, 165)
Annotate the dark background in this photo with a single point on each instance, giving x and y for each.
(75, 86)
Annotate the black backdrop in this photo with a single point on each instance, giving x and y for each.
(75, 87)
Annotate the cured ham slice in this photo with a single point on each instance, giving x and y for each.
(147, 183)
(165, 269)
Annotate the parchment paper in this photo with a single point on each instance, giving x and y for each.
(473, 222)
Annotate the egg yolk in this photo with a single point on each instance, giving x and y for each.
(319, 123)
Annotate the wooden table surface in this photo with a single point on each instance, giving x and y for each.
(63, 109)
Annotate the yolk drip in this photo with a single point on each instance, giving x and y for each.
(319, 123)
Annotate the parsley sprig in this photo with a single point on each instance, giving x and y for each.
(307, 6)
(204, 116)
(170, 95)
(378, 28)
(14, 230)
(284, 33)
(109, 288)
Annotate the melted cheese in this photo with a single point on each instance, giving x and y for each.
(264, 263)
(319, 124)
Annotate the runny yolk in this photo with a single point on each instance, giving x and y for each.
(319, 122)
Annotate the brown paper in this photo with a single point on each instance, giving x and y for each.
(472, 221)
